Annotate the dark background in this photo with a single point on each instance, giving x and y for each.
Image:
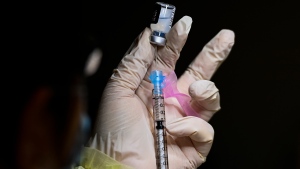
(259, 123)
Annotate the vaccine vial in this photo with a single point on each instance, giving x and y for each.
(161, 22)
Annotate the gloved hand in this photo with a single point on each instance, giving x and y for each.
(124, 125)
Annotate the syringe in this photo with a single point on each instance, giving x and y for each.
(161, 24)
(157, 79)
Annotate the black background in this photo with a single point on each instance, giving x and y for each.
(259, 123)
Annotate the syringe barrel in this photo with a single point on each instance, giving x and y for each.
(161, 146)
(157, 79)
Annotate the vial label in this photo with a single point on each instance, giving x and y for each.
(162, 18)
(156, 12)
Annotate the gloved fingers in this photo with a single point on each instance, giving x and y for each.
(168, 55)
(134, 65)
(208, 60)
(199, 131)
(205, 98)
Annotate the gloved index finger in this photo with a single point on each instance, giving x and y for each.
(134, 65)
(208, 60)
(213, 54)
(176, 38)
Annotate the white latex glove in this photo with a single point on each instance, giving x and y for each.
(124, 126)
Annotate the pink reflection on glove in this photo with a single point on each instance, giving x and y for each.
(170, 90)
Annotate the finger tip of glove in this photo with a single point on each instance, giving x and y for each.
(187, 20)
(227, 35)
(202, 89)
(183, 25)
(146, 31)
(177, 36)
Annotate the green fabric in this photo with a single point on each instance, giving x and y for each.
(94, 159)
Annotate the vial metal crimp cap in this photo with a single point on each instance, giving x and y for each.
(158, 38)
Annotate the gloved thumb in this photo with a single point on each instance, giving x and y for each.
(205, 98)
(199, 131)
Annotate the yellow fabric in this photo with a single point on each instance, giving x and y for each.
(94, 159)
